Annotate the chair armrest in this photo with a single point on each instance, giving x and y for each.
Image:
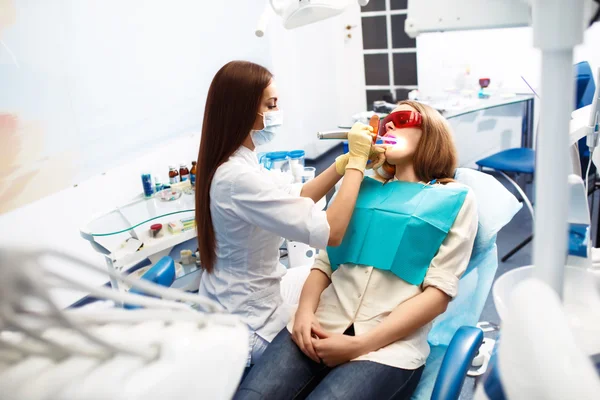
(457, 360)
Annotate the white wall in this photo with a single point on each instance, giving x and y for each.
(303, 64)
(590, 49)
(502, 55)
(97, 82)
(320, 77)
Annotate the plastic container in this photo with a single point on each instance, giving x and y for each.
(156, 231)
(276, 160)
(296, 157)
(158, 186)
(296, 163)
(148, 185)
(307, 174)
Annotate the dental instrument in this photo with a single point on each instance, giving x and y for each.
(160, 350)
(374, 122)
(400, 119)
(343, 135)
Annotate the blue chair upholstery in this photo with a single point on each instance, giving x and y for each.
(457, 360)
(162, 273)
(585, 86)
(520, 160)
(442, 334)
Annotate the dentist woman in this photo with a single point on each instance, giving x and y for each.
(242, 212)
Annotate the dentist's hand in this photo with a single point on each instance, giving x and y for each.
(376, 158)
(360, 139)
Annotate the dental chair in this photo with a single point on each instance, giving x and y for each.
(448, 371)
(529, 364)
(454, 334)
(454, 338)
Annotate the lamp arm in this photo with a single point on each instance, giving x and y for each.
(277, 6)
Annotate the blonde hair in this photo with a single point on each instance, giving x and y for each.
(435, 156)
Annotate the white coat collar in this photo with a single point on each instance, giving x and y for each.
(247, 154)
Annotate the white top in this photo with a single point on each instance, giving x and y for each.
(252, 209)
(364, 296)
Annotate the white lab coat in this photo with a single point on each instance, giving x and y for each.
(251, 211)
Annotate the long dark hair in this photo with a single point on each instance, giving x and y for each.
(231, 106)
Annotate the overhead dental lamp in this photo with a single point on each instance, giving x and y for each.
(297, 13)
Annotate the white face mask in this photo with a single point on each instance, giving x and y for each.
(273, 122)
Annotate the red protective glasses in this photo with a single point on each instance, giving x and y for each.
(403, 119)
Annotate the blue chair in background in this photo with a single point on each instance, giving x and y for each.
(521, 161)
(584, 89)
(162, 273)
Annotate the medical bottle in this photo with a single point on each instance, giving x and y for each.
(193, 173)
(184, 172)
(173, 175)
(158, 186)
(147, 185)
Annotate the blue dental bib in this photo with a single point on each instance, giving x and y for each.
(398, 227)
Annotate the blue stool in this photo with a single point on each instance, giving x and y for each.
(522, 160)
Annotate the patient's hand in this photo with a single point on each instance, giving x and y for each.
(335, 349)
(377, 156)
(304, 324)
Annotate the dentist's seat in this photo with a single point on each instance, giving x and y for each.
(496, 207)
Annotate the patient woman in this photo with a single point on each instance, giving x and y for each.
(360, 330)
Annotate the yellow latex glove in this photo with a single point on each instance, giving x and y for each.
(360, 139)
(376, 158)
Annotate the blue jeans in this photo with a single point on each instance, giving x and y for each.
(284, 372)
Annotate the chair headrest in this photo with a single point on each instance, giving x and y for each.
(496, 205)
